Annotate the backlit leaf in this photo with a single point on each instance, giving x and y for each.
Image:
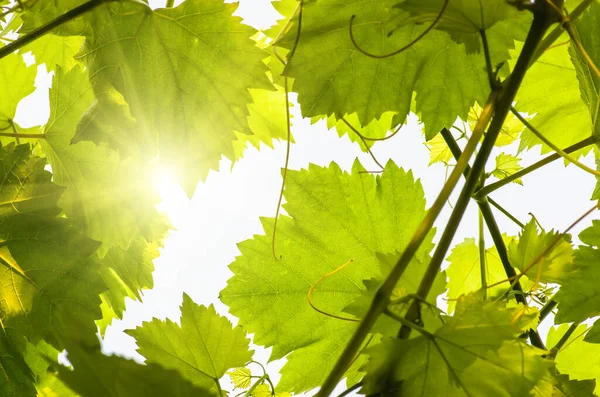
(240, 377)
(97, 375)
(188, 117)
(202, 349)
(333, 217)
(332, 77)
(579, 295)
(506, 165)
(479, 339)
(555, 266)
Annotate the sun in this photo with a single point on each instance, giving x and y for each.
(174, 202)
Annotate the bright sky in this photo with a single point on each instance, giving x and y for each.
(226, 208)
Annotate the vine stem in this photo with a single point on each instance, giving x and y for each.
(486, 190)
(561, 342)
(56, 22)
(382, 296)
(542, 19)
(170, 3)
(506, 213)
(485, 212)
(482, 263)
(556, 32)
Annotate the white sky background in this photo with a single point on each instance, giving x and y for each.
(226, 208)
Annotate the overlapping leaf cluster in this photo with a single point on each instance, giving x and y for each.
(135, 89)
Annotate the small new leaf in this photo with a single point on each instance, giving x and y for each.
(506, 165)
(241, 377)
(555, 266)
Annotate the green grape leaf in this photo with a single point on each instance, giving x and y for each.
(557, 385)
(593, 335)
(574, 388)
(506, 165)
(510, 131)
(97, 375)
(462, 19)
(439, 152)
(41, 358)
(47, 293)
(550, 92)
(577, 358)
(207, 63)
(587, 31)
(240, 377)
(579, 295)
(17, 377)
(111, 199)
(332, 77)
(555, 267)
(333, 217)
(202, 349)
(479, 339)
(267, 120)
(464, 272)
(16, 82)
(53, 51)
(126, 273)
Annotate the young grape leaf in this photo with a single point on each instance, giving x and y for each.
(577, 358)
(111, 199)
(511, 129)
(188, 117)
(506, 165)
(202, 349)
(550, 92)
(332, 77)
(464, 272)
(439, 152)
(476, 353)
(97, 375)
(579, 295)
(333, 217)
(462, 19)
(555, 267)
(47, 293)
(240, 377)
